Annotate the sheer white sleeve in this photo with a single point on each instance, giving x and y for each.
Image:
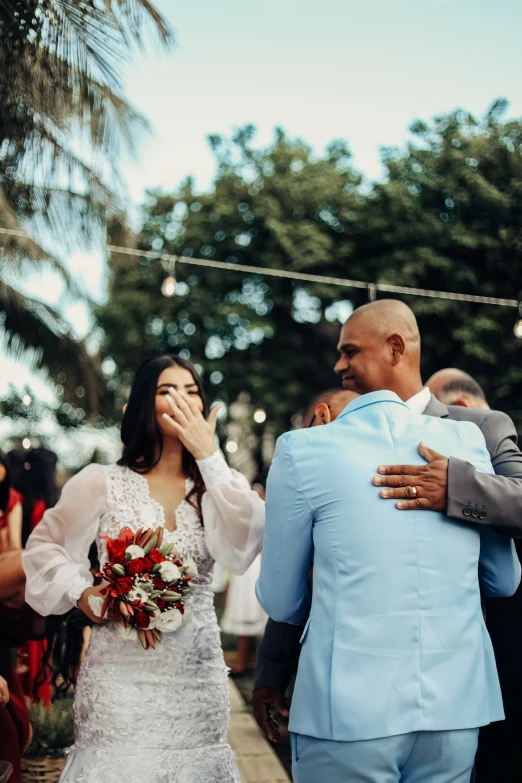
(233, 515)
(56, 559)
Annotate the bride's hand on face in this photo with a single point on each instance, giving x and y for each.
(194, 431)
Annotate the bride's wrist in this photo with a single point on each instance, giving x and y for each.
(204, 453)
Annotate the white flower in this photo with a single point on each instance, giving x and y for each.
(190, 567)
(96, 604)
(134, 552)
(169, 621)
(137, 594)
(169, 571)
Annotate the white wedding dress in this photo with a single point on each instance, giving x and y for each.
(155, 716)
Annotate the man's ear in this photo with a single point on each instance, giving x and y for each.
(397, 347)
(322, 413)
(462, 402)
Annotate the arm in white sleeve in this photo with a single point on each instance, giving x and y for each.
(233, 515)
(55, 560)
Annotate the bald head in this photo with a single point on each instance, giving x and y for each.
(327, 406)
(442, 377)
(386, 317)
(455, 387)
(380, 349)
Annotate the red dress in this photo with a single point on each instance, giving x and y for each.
(14, 499)
(32, 653)
(14, 724)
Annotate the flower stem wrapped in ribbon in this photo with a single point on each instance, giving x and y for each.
(148, 583)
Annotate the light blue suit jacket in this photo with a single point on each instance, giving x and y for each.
(395, 641)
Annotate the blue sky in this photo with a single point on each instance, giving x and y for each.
(362, 71)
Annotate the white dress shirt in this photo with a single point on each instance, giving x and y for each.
(420, 401)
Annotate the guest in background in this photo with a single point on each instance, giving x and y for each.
(33, 475)
(455, 387)
(10, 510)
(243, 616)
(16, 625)
(499, 757)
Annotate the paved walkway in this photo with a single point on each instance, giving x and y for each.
(255, 759)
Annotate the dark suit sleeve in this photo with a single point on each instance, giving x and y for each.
(277, 655)
(498, 497)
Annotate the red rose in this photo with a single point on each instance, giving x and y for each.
(137, 566)
(149, 564)
(156, 556)
(159, 584)
(180, 608)
(141, 618)
(160, 603)
(116, 552)
(124, 585)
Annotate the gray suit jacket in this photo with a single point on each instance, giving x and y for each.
(472, 497)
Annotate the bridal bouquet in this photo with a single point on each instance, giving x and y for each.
(148, 585)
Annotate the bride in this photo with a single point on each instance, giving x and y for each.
(159, 715)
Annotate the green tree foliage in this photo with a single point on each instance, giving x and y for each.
(278, 207)
(448, 217)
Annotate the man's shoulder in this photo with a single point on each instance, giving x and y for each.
(308, 435)
(495, 426)
(476, 415)
(297, 443)
(479, 416)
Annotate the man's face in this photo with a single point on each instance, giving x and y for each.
(364, 360)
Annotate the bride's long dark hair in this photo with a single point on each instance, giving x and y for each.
(140, 433)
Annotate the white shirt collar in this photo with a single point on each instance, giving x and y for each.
(420, 401)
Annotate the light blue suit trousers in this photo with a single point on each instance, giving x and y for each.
(418, 757)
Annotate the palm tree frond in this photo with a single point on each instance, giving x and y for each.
(19, 253)
(35, 333)
(63, 116)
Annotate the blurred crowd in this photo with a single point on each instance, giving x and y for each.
(27, 489)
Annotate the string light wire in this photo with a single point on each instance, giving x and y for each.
(371, 288)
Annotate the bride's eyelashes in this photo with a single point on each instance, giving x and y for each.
(164, 392)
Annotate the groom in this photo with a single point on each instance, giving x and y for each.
(380, 348)
(397, 671)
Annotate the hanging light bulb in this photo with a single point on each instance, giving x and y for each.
(518, 326)
(168, 287)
